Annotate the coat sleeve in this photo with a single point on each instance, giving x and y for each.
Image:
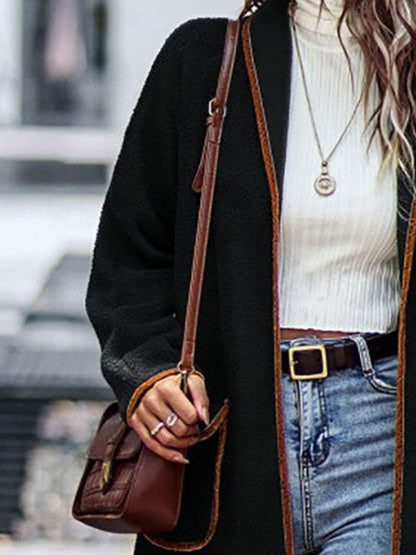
(130, 300)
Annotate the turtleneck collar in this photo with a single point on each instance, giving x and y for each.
(307, 17)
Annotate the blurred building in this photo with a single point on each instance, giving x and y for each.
(70, 74)
(72, 69)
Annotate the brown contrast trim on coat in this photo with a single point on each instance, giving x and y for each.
(219, 422)
(272, 180)
(399, 449)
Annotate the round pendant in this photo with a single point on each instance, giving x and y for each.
(325, 185)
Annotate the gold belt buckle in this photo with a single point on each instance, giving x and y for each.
(292, 362)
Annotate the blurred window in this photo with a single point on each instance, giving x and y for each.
(64, 62)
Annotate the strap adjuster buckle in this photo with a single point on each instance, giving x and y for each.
(217, 110)
(297, 375)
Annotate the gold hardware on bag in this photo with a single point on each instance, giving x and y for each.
(184, 375)
(292, 362)
(105, 476)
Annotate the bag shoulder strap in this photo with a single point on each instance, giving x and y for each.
(217, 106)
(204, 182)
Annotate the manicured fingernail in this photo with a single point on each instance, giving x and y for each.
(205, 415)
(180, 459)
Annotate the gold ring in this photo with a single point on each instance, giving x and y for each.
(155, 430)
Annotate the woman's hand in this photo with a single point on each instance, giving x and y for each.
(163, 398)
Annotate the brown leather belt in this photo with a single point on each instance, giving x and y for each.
(309, 362)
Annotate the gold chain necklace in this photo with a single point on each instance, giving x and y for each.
(324, 184)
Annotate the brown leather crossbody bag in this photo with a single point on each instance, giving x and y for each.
(125, 487)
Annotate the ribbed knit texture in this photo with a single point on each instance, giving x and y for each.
(338, 266)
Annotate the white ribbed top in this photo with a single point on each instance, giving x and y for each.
(338, 267)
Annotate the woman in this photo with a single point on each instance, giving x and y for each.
(311, 245)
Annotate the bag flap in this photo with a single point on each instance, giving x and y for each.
(113, 431)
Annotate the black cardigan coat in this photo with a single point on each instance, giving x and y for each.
(141, 267)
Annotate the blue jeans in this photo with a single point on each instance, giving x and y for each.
(340, 439)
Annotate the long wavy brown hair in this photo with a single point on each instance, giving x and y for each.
(386, 32)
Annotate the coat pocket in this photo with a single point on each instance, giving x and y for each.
(200, 496)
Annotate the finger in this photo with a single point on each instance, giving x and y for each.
(155, 407)
(165, 436)
(177, 401)
(154, 445)
(199, 395)
(179, 428)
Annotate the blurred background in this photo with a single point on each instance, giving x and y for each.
(70, 75)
